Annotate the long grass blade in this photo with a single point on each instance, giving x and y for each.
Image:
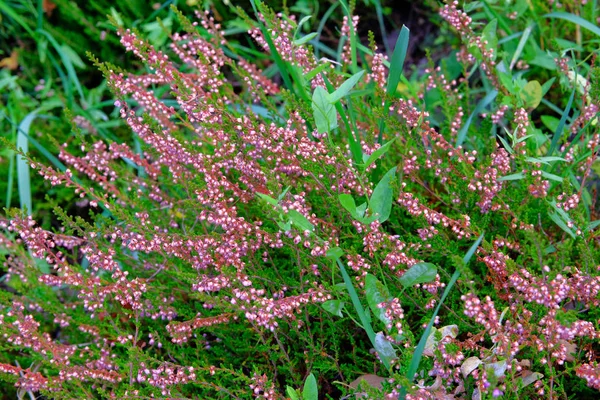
(23, 177)
(359, 309)
(396, 67)
(462, 134)
(561, 124)
(576, 20)
(418, 354)
(66, 62)
(520, 46)
(397, 61)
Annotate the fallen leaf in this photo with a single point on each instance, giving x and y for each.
(11, 62)
(48, 7)
(530, 377)
(469, 365)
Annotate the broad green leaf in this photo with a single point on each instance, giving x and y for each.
(418, 273)
(384, 348)
(489, 35)
(376, 293)
(360, 210)
(345, 87)
(347, 201)
(550, 122)
(378, 153)
(310, 391)
(285, 226)
(382, 197)
(334, 253)
(300, 221)
(323, 111)
(334, 307)
(532, 94)
(291, 393)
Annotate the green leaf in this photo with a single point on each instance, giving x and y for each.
(462, 134)
(268, 199)
(397, 61)
(418, 273)
(561, 124)
(532, 94)
(345, 87)
(384, 348)
(376, 293)
(324, 112)
(347, 201)
(550, 122)
(506, 145)
(512, 177)
(489, 35)
(334, 253)
(552, 177)
(576, 20)
(521, 45)
(291, 392)
(378, 153)
(310, 391)
(305, 38)
(315, 71)
(360, 210)
(382, 197)
(418, 354)
(334, 307)
(561, 224)
(300, 221)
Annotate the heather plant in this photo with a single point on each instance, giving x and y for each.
(343, 230)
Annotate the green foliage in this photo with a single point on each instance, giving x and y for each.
(226, 221)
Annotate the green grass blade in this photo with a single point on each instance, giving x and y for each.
(379, 12)
(462, 134)
(11, 179)
(317, 39)
(418, 354)
(10, 11)
(576, 20)
(283, 69)
(353, 40)
(359, 308)
(66, 62)
(23, 177)
(396, 67)
(561, 124)
(397, 61)
(521, 45)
